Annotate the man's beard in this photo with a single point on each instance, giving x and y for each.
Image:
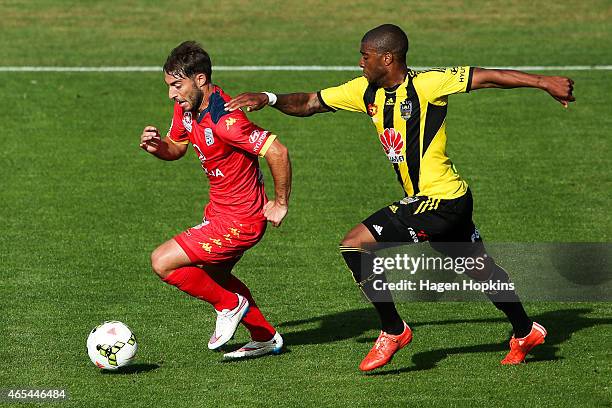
(196, 100)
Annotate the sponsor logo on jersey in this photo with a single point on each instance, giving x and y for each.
(256, 138)
(393, 143)
(372, 109)
(460, 71)
(208, 136)
(229, 122)
(213, 172)
(201, 156)
(406, 109)
(187, 121)
(390, 101)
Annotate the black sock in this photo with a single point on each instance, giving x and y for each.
(508, 302)
(360, 262)
(521, 323)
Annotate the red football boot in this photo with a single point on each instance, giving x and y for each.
(385, 347)
(520, 347)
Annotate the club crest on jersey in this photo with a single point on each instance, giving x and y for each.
(393, 144)
(187, 121)
(372, 109)
(406, 109)
(208, 136)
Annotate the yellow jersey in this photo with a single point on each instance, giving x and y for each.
(410, 119)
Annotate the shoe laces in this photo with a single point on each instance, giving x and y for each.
(516, 349)
(383, 339)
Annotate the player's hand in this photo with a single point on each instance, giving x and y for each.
(252, 101)
(275, 212)
(150, 140)
(560, 88)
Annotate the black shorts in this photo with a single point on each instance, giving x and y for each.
(446, 224)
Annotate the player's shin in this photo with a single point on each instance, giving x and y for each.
(360, 262)
(507, 300)
(197, 283)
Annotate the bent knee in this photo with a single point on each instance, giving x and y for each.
(158, 264)
(358, 237)
(351, 241)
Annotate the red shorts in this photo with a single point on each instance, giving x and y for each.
(220, 239)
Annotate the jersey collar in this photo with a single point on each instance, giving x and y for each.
(393, 88)
(205, 111)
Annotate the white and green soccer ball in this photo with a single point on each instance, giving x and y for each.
(111, 345)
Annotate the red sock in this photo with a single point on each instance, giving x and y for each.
(254, 320)
(198, 283)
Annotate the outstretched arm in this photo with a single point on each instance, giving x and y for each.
(294, 104)
(558, 87)
(277, 157)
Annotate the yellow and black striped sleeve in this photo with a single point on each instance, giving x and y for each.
(348, 96)
(437, 84)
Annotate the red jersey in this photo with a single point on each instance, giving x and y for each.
(228, 145)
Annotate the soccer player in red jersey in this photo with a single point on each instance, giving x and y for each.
(199, 261)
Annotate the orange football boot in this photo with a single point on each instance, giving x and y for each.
(385, 347)
(520, 347)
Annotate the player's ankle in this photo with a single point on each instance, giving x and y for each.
(262, 335)
(228, 303)
(523, 331)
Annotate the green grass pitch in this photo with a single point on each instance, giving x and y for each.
(83, 206)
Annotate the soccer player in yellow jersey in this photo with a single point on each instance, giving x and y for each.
(408, 109)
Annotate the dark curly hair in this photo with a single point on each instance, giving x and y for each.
(187, 60)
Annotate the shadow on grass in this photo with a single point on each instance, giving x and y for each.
(560, 324)
(132, 369)
(351, 324)
(331, 328)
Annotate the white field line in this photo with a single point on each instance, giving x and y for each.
(285, 68)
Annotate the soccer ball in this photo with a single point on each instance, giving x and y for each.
(111, 345)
